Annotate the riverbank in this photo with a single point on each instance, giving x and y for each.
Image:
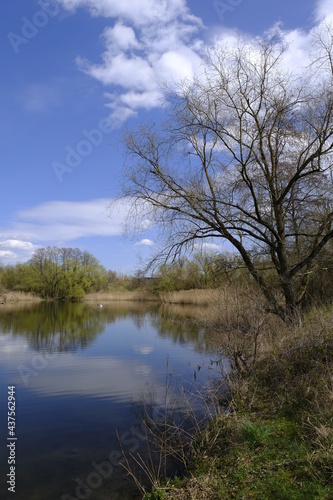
(104, 297)
(184, 297)
(228, 297)
(17, 297)
(276, 440)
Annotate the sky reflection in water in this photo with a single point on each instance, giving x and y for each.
(78, 370)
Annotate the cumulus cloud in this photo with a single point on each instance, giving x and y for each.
(140, 12)
(19, 245)
(150, 43)
(120, 37)
(12, 250)
(208, 247)
(7, 255)
(145, 242)
(324, 11)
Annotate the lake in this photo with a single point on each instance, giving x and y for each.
(79, 373)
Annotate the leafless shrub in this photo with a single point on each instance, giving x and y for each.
(175, 431)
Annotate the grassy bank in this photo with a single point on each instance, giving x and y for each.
(276, 440)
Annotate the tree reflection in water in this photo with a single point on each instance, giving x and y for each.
(60, 327)
(53, 327)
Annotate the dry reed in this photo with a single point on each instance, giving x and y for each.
(14, 297)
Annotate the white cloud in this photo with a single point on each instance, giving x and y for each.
(129, 72)
(177, 64)
(150, 44)
(69, 220)
(19, 245)
(299, 42)
(7, 254)
(106, 376)
(324, 11)
(144, 350)
(138, 12)
(145, 242)
(58, 222)
(120, 37)
(23, 250)
(297, 55)
(208, 247)
(133, 100)
(155, 43)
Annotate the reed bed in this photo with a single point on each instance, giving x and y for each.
(190, 297)
(125, 296)
(14, 297)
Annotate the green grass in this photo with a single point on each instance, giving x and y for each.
(267, 460)
(254, 459)
(277, 442)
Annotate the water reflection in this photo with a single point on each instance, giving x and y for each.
(53, 327)
(62, 327)
(78, 369)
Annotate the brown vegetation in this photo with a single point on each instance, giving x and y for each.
(110, 296)
(276, 439)
(14, 297)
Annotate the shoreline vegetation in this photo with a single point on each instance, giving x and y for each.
(196, 297)
(276, 438)
(253, 168)
(9, 297)
(184, 297)
(272, 436)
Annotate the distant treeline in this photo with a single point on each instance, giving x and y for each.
(56, 273)
(69, 274)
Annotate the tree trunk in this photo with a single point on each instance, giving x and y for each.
(292, 310)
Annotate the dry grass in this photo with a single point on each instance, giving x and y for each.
(193, 297)
(225, 298)
(282, 408)
(280, 403)
(174, 428)
(14, 297)
(190, 297)
(127, 296)
(182, 297)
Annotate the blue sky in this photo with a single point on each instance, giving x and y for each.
(74, 73)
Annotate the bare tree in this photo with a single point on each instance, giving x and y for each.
(246, 156)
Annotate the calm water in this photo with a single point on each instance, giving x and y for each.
(79, 371)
